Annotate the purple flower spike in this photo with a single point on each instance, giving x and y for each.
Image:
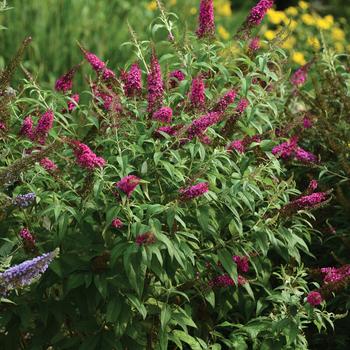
(43, 127)
(24, 200)
(24, 274)
(225, 101)
(206, 23)
(27, 127)
(132, 81)
(175, 77)
(128, 184)
(194, 191)
(163, 115)
(258, 12)
(155, 85)
(200, 125)
(197, 93)
(85, 157)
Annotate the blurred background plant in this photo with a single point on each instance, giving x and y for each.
(56, 25)
(66, 209)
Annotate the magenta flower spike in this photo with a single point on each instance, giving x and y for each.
(206, 21)
(155, 85)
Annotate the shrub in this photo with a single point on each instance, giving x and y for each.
(177, 223)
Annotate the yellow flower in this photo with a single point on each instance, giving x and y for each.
(339, 47)
(172, 2)
(223, 8)
(323, 23)
(193, 10)
(152, 6)
(308, 19)
(223, 32)
(292, 24)
(276, 17)
(289, 43)
(304, 5)
(329, 19)
(270, 35)
(314, 42)
(298, 57)
(338, 34)
(292, 11)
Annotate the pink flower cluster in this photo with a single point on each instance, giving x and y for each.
(42, 129)
(117, 223)
(48, 164)
(224, 280)
(258, 12)
(27, 238)
(132, 81)
(333, 274)
(2, 126)
(163, 115)
(65, 82)
(175, 77)
(225, 101)
(197, 93)
(85, 157)
(44, 125)
(170, 130)
(99, 66)
(155, 85)
(312, 186)
(305, 156)
(305, 202)
(237, 145)
(307, 123)
(241, 145)
(200, 125)
(109, 99)
(242, 105)
(254, 44)
(194, 191)
(290, 149)
(314, 298)
(242, 263)
(27, 127)
(206, 23)
(300, 76)
(72, 103)
(146, 239)
(128, 184)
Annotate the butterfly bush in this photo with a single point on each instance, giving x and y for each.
(155, 85)
(65, 82)
(132, 80)
(206, 24)
(173, 196)
(197, 93)
(19, 276)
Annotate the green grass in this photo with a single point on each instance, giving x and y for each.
(56, 26)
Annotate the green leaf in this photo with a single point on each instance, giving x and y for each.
(165, 316)
(210, 298)
(229, 265)
(203, 217)
(138, 305)
(186, 338)
(113, 310)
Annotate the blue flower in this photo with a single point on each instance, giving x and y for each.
(25, 273)
(24, 200)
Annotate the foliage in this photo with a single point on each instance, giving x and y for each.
(193, 234)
